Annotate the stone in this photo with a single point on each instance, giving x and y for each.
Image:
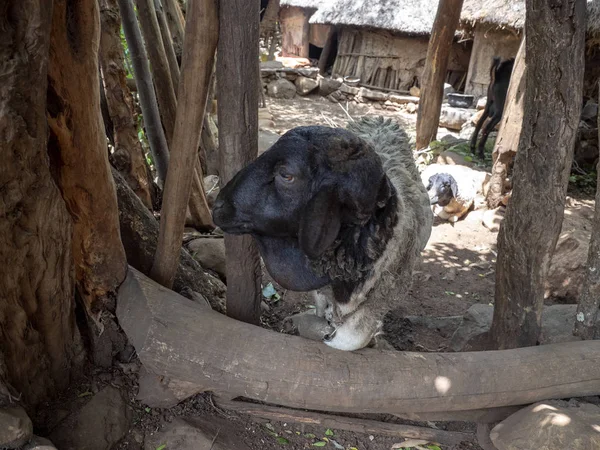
(415, 91)
(454, 118)
(196, 434)
(210, 253)
(550, 425)
(39, 443)
(336, 97)
(310, 326)
(16, 428)
(492, 218)
(481, 103)
(403, 99)
(211, 188)
(281, 88)
(98, 425)
(454, 159)
(350, 90)
(590, 110)
(328, 85)
(266, 139)
(411, 108)
(305, 86)
(466, 132)
(370, 94)
(475, 117)
(448, 89)
(160, 392)
(310, 72)
(271, 65)
(557, 326)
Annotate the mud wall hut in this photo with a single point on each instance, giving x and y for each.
(384, 42)
(299, 38)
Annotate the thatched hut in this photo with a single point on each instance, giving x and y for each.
(384, 42)
(299, 38)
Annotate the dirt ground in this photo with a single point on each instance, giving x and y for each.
(456, 271)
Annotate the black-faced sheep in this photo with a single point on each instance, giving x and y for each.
(453, 189)
(340, 211)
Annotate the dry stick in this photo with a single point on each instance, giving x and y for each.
(202, 32)
(128, 156)
(507, 142)
(187, 342)
(237, 75)
(145, 89)
(347, 423)
(531, 227)
(438, 53)
(168, 44)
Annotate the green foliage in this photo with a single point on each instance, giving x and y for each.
(585, 183)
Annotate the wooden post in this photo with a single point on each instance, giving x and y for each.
(167, 40)
(555, 44)
(507, 141)
(326, 51)
(237, 74)
(436, 64)
(202, 32)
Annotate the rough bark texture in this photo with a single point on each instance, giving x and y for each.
(159, 65)
(128, 156)
(202, 33)
(39, 341)
(507, 141)
(552, 107)
(589, 300)
(176, 23)
(434, 75)
(139, 232)
(237, 74)
(77, 147)
(165, 33)
(185, 341)
(145, 89)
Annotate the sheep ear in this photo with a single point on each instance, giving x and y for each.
(320, 223)
(454, 187)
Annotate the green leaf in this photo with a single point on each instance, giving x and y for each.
(147, 409)
(433, 447)
(269, 426)
(320, 444)
(282, 440)
(85, 394)
(328, 432)
(161, 447)
(309, 435)
(352, 448)
(468, 158)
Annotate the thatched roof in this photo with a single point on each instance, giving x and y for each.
(307, 4)
(413, 17)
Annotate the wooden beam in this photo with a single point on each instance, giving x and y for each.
(182, 340)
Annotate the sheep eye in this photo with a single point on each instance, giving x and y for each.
(286, 177)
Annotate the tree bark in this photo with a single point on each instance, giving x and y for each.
(507, 141)
(436, 64)
(176, 23)
(78, 143)
(168, 44)
(202, 33)
(159, 65)
(589, 300)
(128, 156)
(552, 106)
(268, 24)
(145, 89)
(40, 345)
(238, 141)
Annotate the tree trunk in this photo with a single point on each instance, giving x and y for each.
(145, 89)
(40, 344)
(168, 44)
(436, 64)
(326, 51)
(108, 125)
(268, 24)
(552, 106)
(507, 141)
(176, 23)
(589, 300)
(163, 84)
(128, 156)
(238, 141)
(202, 33)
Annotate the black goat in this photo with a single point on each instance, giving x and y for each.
(500, 74)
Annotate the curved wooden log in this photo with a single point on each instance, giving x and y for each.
(183, 340)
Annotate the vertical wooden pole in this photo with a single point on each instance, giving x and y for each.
(436, 64)
(237, 74)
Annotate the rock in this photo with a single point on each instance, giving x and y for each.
(466, 132)
(350, 90)
(589, 111)
(411, 108)
(550, 425)
(100, 424)
(266, 139)
(475, 117)
(281, 88)
(310, 72)
(310, 326)
(455, 159)
(197, 434)
(481, 103)
(557, 326)
(210, 253)
(448, 89)
(39, 443)
(415, 91)
(305, 86)
(211, 188)
(454, 118)
(160, 392)
(492, 218)
(271, 65)
(446, 326)
(16, 428)
(292, 62)
(403, 99)
(328, 85)
(373, 95)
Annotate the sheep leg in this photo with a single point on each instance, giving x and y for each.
(486, 131)
(484, 116)
(322, 301)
